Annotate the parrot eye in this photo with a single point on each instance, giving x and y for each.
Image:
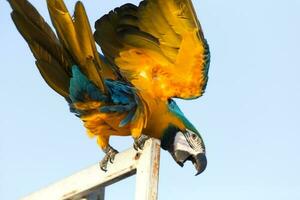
(194, 136)
(191, 134)
(194, 140)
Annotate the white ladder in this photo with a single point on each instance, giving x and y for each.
(90, 183)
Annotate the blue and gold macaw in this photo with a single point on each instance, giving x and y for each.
(152, 53)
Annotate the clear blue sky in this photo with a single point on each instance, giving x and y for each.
(249, 116)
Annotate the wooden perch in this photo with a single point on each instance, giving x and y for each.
(90, 183)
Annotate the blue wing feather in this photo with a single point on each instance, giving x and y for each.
(120, 98)
(82, 88)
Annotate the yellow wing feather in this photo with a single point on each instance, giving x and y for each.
(163, 54)
(52, 60)
(76, 36)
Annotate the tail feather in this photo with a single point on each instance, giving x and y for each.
(25, 9)
(76, 36)
(53, 61)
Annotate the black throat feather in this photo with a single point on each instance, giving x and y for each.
(168, 137)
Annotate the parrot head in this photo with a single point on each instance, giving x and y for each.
(184, 144)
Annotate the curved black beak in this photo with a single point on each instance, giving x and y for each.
(200, 163)
(199, 160)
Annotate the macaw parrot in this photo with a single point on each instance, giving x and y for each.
(152, 53)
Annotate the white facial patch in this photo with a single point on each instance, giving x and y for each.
(181, 143)
(194, 141)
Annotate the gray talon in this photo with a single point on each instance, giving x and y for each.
(110, 154)
(139, 143)
(103, 164)
(112, 157)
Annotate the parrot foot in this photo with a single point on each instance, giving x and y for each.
(139, 143)
(110, 154)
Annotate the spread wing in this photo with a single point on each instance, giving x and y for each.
(75, 44)
(71, 65)
(158, 46)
